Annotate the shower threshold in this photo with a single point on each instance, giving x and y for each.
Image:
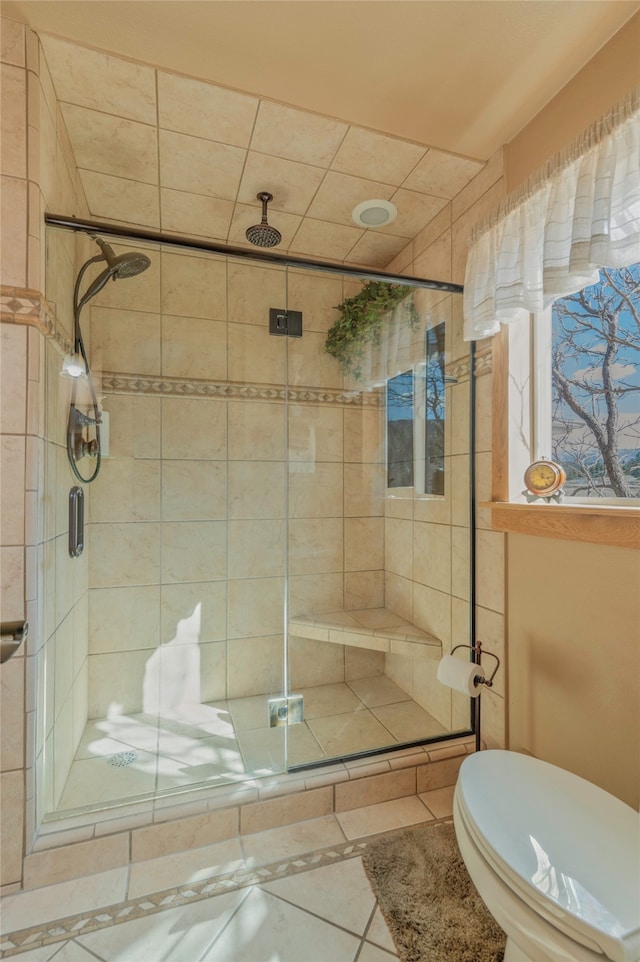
(126, 757)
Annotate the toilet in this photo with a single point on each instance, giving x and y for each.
(555, 859)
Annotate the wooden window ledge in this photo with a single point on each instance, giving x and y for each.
(609, 524)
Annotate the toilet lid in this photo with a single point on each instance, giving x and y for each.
(568, 848)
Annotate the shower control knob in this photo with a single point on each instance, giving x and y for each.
(91, 448)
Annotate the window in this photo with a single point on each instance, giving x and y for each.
(587, 377)
(416, 421)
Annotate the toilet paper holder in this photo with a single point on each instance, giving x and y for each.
(478, 652)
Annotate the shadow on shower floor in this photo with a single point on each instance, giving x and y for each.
(125, 756)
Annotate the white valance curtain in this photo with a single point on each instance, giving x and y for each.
(580, 213)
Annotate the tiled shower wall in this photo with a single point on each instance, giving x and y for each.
(190, 508)
(38, 174)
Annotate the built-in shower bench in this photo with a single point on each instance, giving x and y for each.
(376, 628)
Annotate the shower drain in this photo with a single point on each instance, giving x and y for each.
(122, 759)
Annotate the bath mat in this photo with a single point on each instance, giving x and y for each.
(430, 904)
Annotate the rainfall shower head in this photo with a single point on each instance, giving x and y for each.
(262, 235)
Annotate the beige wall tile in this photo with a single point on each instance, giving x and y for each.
(123, 341)
(255, 355)
(442, 174)
(194, 214)
(438, 774)
(432, 611)
(261, 816)
(194, 348)
(363, 435)
(317, 494)
(253, 291)
(13, 102)
(364, 589)
(398, 546)
(255, 607)
(124, 554)
(186, 833)
(194, 286)
(134, 426)
(315, 545)
(297, 185)
(194, 551)
(112, 145)
(295, 134)
(124, 618)
(12, 785)
(102, 82)
(13, 206)
(483, 413)
(256, 548)
(316, 296)
(490, 174)
(12, 596)
(370, 154)
(12, 705)
(490, 570)
(314, 663)
(194, 428)
(432, 555)
(363, 544)
(324, 592)
(205, 110)
(257, 489)
(363, 490)
(126, 490)
(340, 193)
(12, 475)
(116, 681)
(193, 491)
(315, 237)
(256, 431)
(213, 670)
(315, 433)
(178, 601)
(310, 365)
(117, 198)
(360, 663)
(13, 42)
(83, 858)
(186, 163)
(254, 665)
(378, 788)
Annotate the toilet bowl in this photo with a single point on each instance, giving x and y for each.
(555, 859)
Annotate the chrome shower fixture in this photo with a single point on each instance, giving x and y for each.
(76, 365)
(262, 235)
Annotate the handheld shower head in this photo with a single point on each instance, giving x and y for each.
(262, 235)
(123, 265)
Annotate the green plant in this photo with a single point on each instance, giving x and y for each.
(361, 321)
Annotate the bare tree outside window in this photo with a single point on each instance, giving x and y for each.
(596, 386)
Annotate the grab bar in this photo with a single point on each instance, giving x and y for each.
(12, 634)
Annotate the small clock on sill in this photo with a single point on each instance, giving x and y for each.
(544, 480)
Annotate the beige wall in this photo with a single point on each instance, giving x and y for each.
(573, 610)
(603, 82)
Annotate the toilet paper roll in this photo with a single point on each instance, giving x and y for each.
(460, 675)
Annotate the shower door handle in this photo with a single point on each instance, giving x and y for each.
(76, 521)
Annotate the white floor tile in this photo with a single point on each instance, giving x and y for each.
(291, 840)
(25, 909)
(181, 934)
(182, 868)
(72, 952)
(338, 893)
(373, 953)
(266, 928)
(439, 801)
(378, 932)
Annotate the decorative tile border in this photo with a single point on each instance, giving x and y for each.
(14, 943)
(114, 383)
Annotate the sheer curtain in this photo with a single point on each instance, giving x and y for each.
(580, 213)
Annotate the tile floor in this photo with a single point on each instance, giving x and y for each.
(124, 756)
(296, 894)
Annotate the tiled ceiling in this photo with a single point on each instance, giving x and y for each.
(324, 103)
(169, 152)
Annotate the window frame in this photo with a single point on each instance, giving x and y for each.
(617, 525)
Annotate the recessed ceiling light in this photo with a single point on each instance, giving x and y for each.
(374, 213)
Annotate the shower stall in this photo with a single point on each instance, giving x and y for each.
(277, 547)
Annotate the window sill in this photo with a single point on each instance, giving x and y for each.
(595, 524)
